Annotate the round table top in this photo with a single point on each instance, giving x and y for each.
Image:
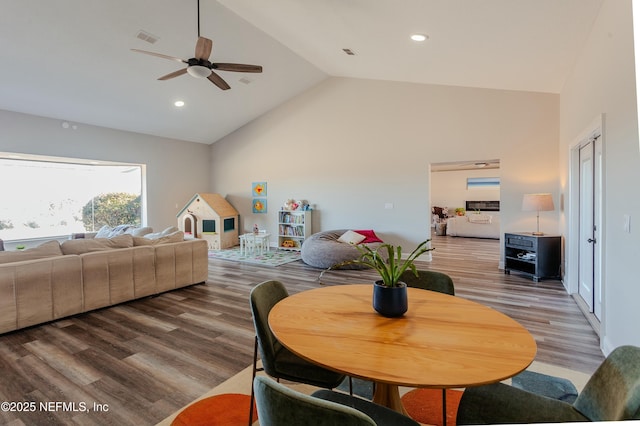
(442, 341)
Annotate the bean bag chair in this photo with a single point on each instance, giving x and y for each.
(323, 250)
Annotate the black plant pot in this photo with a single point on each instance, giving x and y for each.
(390, 302)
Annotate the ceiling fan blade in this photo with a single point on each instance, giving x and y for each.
(160, 55)
(173, 74)
(203, 48)
(237, 67)
(218, 81)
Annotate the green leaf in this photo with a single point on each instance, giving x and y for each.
(389, 269)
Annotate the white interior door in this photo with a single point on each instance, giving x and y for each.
(597, 226)
(586, 225)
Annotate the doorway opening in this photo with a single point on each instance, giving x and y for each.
(462, 188)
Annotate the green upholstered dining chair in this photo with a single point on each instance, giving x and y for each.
(278, 361)
(429, 280)
(434, 281)
(279, 405)
(611, 394)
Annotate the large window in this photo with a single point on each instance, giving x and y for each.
(46, 197)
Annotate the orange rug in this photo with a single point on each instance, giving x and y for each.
(425, 405)
(229, 409)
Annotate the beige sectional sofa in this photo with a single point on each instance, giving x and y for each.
(56, 280)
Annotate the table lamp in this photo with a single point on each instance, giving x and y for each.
(537, 203)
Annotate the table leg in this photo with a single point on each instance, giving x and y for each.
(389, 396)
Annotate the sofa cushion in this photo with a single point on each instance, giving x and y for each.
(174, 237)
(48, 249)
(96, 244)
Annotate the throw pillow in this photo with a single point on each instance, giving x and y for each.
(48, 249)
(351, 237)
(140, 232)
(96, 244)
(479, 218)
(154, 235)
(174, 237)
(369, 236)
(109, 232)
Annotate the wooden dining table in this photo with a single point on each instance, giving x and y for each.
(442, 341)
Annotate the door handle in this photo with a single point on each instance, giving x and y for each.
(591, 240)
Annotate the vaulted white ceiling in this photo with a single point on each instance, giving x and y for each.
(71, 59)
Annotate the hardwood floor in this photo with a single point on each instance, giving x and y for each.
(142, 360)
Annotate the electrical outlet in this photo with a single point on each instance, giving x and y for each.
(388, 206)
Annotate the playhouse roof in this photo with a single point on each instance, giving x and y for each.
(217, 203)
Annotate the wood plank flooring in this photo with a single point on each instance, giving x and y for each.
(142, 360)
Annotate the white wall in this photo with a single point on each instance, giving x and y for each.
(449, 189)
(350, 146)
(603, 81)
(175, 169)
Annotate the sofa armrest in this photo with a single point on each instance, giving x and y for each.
(181, 264)
(39, 290)
(500, 403)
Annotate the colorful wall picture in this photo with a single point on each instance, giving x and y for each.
(483, 183)
(259, 205)
(259, 189)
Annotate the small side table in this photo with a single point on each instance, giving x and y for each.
(441, 228)
(537, 256)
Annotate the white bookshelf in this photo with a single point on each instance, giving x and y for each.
(294, 226)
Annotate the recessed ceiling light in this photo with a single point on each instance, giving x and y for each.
(179, 103)
(419, 37)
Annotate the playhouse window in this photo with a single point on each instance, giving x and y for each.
(229, 224)
(208, 226)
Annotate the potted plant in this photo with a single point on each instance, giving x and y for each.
(460, 211)
(389, 293)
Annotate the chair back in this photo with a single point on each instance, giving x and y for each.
(279, 405)
(429, 280)
(613, 392)
(262, 299)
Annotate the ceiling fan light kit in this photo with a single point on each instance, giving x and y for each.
(199, 71)
(200, 67)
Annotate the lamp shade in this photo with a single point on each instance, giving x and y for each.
(537, 202)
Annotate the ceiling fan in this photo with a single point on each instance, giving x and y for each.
(200, 66)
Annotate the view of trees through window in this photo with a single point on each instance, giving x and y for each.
(41, 198)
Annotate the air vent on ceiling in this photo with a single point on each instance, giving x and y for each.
(148, 37)
(348, 52)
